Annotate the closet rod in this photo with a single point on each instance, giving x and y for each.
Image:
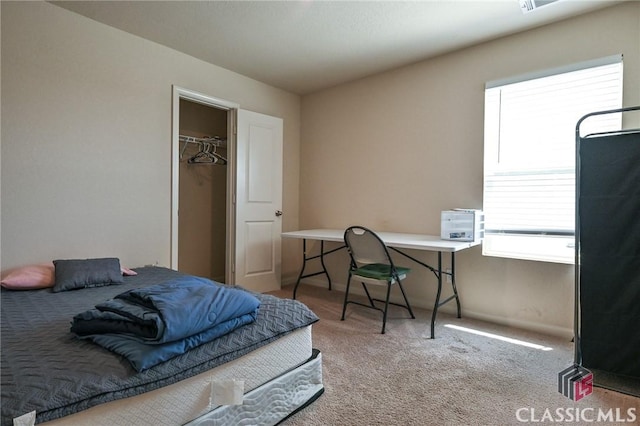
(215, 140)
(204, 142)
(205, 155)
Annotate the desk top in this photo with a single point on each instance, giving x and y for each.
(392, 239)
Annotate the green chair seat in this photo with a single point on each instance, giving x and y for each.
(380, 271)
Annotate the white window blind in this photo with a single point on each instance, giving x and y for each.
(529, 164)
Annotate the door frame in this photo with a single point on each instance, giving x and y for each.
(231, 108)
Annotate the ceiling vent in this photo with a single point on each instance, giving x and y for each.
(529, 5)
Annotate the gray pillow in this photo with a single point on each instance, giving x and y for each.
(82, 273)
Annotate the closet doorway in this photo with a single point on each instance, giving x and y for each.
(202, 208)
(243, 190)
(203, 183)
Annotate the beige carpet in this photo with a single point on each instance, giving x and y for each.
(460, 378)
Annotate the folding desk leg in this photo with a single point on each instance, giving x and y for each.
(324, 268)
(305, 258)
(304, 265)
(435, 306)
(453, 282)
(438, 273)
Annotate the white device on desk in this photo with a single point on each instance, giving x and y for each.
(462, 225)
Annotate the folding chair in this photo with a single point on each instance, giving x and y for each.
(372, 264)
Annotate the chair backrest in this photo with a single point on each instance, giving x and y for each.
(365, 246)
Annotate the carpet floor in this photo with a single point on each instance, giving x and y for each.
(472, 373)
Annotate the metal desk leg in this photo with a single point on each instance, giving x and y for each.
(437, 303)
(304, 265)
(438, 273)
(305, 258)
(453, 281)
(324, 268)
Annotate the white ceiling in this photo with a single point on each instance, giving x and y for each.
(305, 46)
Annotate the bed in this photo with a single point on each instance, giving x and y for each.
(260, 373)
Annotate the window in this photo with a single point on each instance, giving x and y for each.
(529, 155)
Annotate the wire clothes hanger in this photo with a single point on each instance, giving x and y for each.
(207, 155)
(207, 150)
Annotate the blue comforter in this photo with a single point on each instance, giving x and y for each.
(153, 324)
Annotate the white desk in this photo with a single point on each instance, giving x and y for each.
(395, 241)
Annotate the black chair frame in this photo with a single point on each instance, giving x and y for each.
(394, 278)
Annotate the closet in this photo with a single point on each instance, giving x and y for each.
(608, 255)
(202, 208)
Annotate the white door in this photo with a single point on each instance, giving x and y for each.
(258, 201)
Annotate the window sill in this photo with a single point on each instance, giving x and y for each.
(541, 248)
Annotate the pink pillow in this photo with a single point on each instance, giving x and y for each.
(30, 277)
(127, 272)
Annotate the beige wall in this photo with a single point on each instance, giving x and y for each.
(86, 136)
(86, 147)
(393, 150)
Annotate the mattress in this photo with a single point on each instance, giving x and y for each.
(189, 399)
(46, 369)
(274, 401)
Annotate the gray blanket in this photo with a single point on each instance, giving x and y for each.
(39, 350)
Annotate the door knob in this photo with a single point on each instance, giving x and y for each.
(278, 213)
